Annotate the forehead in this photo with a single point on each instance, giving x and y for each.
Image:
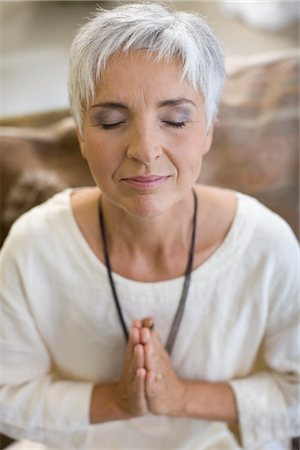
(140, 73)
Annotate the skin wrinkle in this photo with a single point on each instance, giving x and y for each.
(105, 110)
(112, 158)
(171, 106)
(201, 60)
(137, 221)
(142, 222)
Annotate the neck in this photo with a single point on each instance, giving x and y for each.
(145, 227)
(149, 236)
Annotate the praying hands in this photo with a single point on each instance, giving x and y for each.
(156, 387)
(149, 385)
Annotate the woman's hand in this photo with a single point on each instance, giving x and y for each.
(130, 390)
(169, 395)
(126, 398)
(165, 392)
(149, 384)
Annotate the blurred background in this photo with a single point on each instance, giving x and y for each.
(256, 143)
(35, 37)
(256, 140)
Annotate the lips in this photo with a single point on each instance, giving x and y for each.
(146, 182)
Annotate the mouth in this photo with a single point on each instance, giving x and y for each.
(147, 182)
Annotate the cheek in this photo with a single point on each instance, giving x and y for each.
(189, 152)
(101, 159)
(101, 155)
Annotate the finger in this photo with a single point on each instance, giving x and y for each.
(155, 394)
(139, 358)
(150, 377)
(141, 374)
(148, 322)
(145, 335)
(151, 387)
(134, 336)
(149, 357)
(139, 390)
(137, 323)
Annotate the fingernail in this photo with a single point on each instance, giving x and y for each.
(148, 322)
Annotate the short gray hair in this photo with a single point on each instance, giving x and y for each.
(145, 26)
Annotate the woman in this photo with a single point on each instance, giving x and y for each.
(134, 311)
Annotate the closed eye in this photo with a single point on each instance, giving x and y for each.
(175, 124)
(111, 126)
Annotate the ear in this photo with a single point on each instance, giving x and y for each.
(81, 141)
(209, 138)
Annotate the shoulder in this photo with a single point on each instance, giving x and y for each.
(216, 214)
(250, 212)
(270, 231)
(271, 251)
(38, 225)
(250, 229)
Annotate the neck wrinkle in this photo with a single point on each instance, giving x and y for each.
(149, 236)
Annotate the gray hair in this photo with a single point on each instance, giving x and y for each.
(145, 26)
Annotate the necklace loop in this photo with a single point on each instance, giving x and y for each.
(180, 309)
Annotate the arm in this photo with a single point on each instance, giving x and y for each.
(268, 401)
(169, 395)
(125, 399)
(265, 403)
(34, 404)
(209, 401)
(205, 401)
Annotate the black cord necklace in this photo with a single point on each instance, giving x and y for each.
(186, 284)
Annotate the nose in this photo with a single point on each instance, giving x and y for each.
(143, 145)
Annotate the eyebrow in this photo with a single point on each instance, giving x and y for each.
(109, 105)
(163, 103)
(175, 102)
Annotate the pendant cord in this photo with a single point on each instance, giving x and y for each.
(108, 267)
(180, 309)
(186, 284)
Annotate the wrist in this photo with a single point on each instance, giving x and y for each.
(207, 401)
(191, 392)
(104, 406)
(178, 408)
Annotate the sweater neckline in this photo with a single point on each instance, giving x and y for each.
(236, 238)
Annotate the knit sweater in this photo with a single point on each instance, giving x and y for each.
(60, 333)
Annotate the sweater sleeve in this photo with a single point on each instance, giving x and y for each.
(268, 401)
(34, 404)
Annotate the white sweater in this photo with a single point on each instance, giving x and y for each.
(60, 333)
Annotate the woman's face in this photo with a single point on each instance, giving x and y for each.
(144, 134)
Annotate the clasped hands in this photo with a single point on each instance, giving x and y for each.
(149, 383)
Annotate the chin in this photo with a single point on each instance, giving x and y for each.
(147, 206)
